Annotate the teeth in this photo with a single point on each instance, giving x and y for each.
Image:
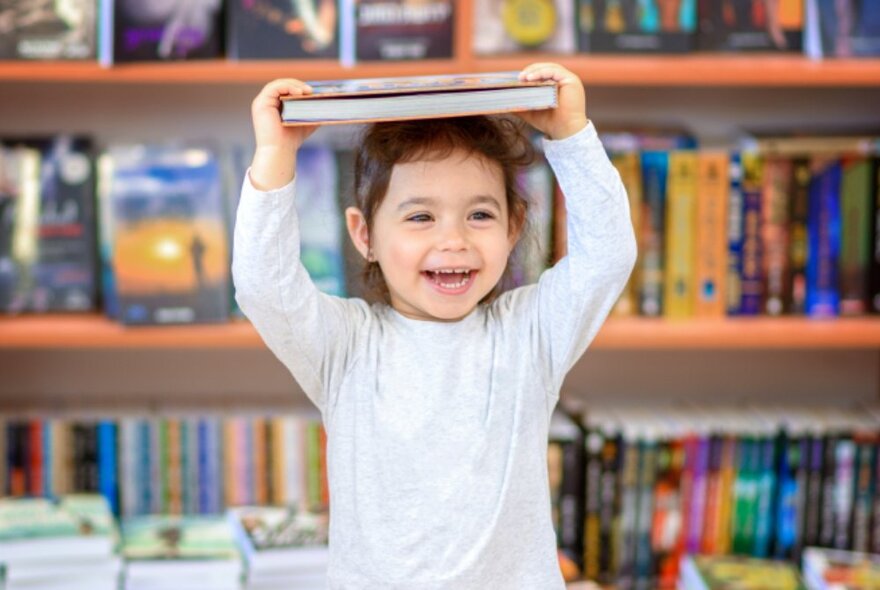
(452, 270)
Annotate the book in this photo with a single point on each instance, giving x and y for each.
(774, 233)
(280, 29)
(637, 26)
(830, 569)
(48, 30)
(736, 25)
(841, 28)
(418, 97)
(404, 30)
(856, 203)
(135, 31)
(737, 573)
(505, 26)
(680, 255)
(655, 167)
(823, 230)
(711, 230)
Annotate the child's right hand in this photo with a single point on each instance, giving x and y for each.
(276, 145)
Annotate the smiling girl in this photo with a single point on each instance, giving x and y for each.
(437, 397)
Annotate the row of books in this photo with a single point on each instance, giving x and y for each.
(168, 465)
(766, 232)
(125, 30)
(144, 231)
(75, 542)
(635, 490)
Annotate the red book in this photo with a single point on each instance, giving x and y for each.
(35, 458)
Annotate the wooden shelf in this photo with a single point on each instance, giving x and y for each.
(95, 332)
(698, 70)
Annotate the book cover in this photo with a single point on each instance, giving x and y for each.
(751, 25)
(844, 487)
(163, 31)
(279, 29)
(856, 219)
(571, 497)
(655, 166)
(740, 573)
(396, 98)
(752, 281)
(170, 257)
(47, 225)
(48, 30)
(681, 213)
(711, 234)
(512, 26)
(108, 463)
(745, 495)
(774, 233)
(404, 29)
(36, 458)
(637, 26)
(823, 230)
(697, 457)
(842, 28)
(789, 503)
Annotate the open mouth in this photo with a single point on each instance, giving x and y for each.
(450, 279)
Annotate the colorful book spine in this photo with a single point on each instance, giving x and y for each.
(733, 284)
(681, 212)
(35, 458)
(856, 200)
(799, 211)
(711, 234)
(823, 295)
(644, 555)
(629, 508)
(594, 443)
(774, 233)
(812, 522)
(864, 491)
(629, 168)
(844, 486)
(752, 283)
(766, 494)
(107, 463)
(654, 172)
(609, 507)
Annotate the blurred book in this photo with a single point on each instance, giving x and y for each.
(636, 26)
(404, 29)
(47, 225)
(505, 26)
(36, 29)
(132, 30)
(65, 544)
(192, 552)
(417, 97)
(833, 569)
(281, 29)
(282, 546)
(751, 25)
(842, 28)
(732, 572)
(167, 234)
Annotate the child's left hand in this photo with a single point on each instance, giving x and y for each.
(570, 114)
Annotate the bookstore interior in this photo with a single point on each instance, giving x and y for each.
(721, 431)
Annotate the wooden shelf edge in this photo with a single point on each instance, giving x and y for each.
(96, 332)
(698, 70)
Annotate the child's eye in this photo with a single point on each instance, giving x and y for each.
(419, 218)
(482, 215)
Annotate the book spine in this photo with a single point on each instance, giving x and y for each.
(258, 457)
(16, 459)
(711, 234)
(745, 496)
(214, 466)
(107, 463)
(644, 559)
(230, 463)
(829, 483)
(823, 296)
(654, 172)
(203, 468)
(158, 465)
(247, 481)
(766, 494)
(595, 441)
(666, 529)
(609, 509)
(35, 458)
(733, 283)
(752, 283)
(844, 486)
(774, 234)
(812, 522)
(796, 293)
(855, 235)
(49, 488)
(129, 483)
(145, 462)
(628, 166)
(269, 461)
(874, 261)
(571, 500)
(786, 506)
(864, 492)
(712, 516)
(724, 541)
(629, 507)
(697, 506)
(279, 479)
(681, 210)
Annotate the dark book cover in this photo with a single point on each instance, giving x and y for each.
(38, 30)
(594, 444)
(812, 518)
(856, 217)
(767, 488)
(751, 25)
(279, 29)
(609, 506)
(165, 31)
(827, 519)
(874, 262)
(85, 457)
(842, 28)
(16, 459)
(788, 501)
(643, 577)
(629, 507)
(404, 29)
(745, 495)
(169, 246)
(48, 243)
(865, 489)
(571, 498)
(823, 229)
(844, 488)
(637, 26)
(752, 281)
(655, 168)
(799, 209)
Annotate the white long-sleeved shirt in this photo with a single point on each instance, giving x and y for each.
(437, 432)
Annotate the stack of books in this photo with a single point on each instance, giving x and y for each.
(66, 544)
(283, 547)
(703, 572)
(173, 552)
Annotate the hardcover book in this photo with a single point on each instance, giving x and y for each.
(280, 29)
(403, 30)
(512, 26)
(418, 97)
(36, 29)
(842, 28)
(751, 25)
(637, 26)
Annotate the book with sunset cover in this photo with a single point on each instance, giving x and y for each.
(416, 97)
(170, 255)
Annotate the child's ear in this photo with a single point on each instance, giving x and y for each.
(515, 233)
(358, 230)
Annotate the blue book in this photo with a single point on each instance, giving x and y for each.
(107, 476)
(655, 167)
(823, 234)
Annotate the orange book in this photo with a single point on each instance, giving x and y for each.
(230, 463)
(261, 491)
(279, 481)
(711, 229)
(35, 457)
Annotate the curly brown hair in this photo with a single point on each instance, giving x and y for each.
(502, 140)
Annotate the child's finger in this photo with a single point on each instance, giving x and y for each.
(285, 86)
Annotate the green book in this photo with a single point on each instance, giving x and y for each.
(856, 205)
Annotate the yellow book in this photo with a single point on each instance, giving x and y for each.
(230, 463)
(279, 481)
(681, 212)
(629, 167)
(711, 228)
(728, 474)
(261, 491)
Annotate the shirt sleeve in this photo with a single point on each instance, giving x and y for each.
(311, 332)
(561, 314)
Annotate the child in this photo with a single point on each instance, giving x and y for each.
(437, 401)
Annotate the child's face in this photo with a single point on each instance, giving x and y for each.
(441, 216)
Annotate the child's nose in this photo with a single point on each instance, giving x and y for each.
(453, 236)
